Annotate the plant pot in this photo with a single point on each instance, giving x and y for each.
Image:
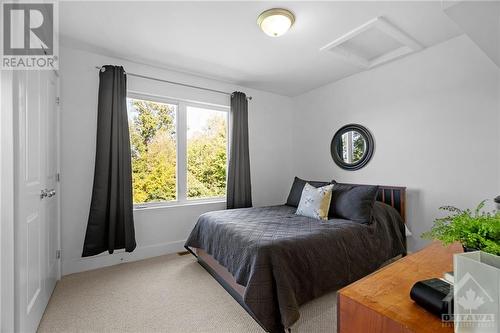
(476, 292)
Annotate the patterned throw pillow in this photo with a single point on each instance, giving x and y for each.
(315, 202)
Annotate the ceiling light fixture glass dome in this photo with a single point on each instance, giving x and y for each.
(276, 21)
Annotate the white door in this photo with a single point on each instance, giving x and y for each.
(36, 233)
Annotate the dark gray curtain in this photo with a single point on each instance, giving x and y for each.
(239, 189)
(111, 223)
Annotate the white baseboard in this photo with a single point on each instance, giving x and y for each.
(118, 257)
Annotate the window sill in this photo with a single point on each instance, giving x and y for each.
(173, 204)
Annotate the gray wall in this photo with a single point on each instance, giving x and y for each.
(434, 116)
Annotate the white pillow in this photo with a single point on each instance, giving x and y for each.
(315, 202)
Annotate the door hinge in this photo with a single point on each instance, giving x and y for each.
(58, 100)
(58, 254)
(58, 177)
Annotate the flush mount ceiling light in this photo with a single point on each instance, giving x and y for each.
(276, 21)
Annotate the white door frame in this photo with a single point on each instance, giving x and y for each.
(58, 184)
(7, 202)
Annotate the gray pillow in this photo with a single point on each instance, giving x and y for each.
(353, 202)
(296, 190)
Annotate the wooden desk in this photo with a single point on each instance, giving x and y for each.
(381, 302)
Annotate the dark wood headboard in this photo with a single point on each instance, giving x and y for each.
(394, 196)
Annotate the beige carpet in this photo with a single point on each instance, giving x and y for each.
(164, 294)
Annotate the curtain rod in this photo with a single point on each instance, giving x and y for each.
(176, 83)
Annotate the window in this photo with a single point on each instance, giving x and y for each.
(206, 153)
(152, 127)
(178, 149)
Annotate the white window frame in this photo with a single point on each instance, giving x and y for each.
(181, 148)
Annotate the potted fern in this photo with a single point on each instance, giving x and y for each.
(475, 230)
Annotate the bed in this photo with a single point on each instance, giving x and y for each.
(272, 261)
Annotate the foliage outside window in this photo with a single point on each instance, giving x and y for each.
(154, 138)
(206, 153)
(152, 129)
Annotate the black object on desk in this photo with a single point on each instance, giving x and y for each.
(434, 295)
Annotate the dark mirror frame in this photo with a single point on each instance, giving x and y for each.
(370, 146)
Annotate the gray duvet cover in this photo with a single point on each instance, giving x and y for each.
(285, 260)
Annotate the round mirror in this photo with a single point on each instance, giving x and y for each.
(352, 147)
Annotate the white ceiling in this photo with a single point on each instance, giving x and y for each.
(221, 40)
(481, 22)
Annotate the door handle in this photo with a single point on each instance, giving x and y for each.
(51, 193)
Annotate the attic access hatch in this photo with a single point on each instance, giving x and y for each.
(374, 43)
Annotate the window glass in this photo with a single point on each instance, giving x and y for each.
(206, 153)
(152, 127)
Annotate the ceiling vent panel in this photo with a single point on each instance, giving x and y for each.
(374, 43)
